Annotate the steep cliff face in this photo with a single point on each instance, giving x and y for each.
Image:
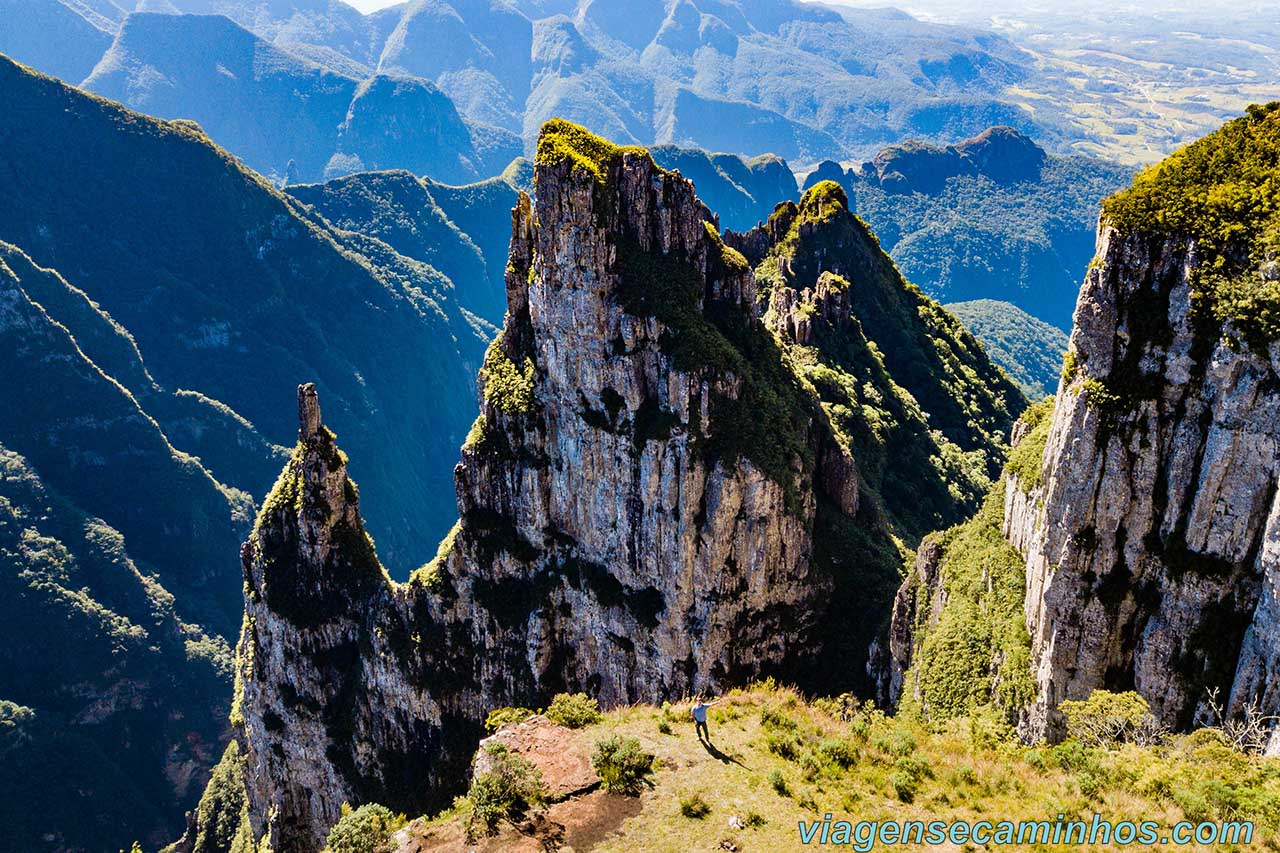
(636, 497)
(1147, 557)
(1153, 550)
(1132, 542)
(330, 706)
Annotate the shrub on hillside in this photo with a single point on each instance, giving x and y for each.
(783, 744)
(508, 789)
(905, 786)
(623, 767)
(367, 829)
(777, 719)
(1106, 718)
(839, 752)
(694, 806)
(573, 710)
(499, 717)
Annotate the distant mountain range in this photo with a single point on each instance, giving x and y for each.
(286, 116)
(991, 217)
(801, 80)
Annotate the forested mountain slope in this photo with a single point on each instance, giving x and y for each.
(155, 297)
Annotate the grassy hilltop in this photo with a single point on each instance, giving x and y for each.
(778, 759)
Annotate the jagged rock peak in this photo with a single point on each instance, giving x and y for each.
(308, 412)
(309, 548)
(330, 702)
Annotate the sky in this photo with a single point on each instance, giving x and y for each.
(373, 5)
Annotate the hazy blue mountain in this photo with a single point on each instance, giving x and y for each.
(109, 722)
(992, 217)
(482, 211)
(398, 208)
(763, 75)
(477, 51)
(273, 108)
(797, 79)
(464, 231)
(742, 191)
(1029, 350)
(60, 37)
(338, 26)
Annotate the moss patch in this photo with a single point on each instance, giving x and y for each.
(506, 386)
(561, 140)
(1224, 192)
(1025, 460)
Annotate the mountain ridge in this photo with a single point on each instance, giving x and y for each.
(287, 116)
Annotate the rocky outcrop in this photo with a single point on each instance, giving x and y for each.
(654, 500)
(618, 534)
(563, 762)
(1153, 555)
(330, 705)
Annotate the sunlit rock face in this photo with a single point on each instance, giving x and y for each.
(1153, 551)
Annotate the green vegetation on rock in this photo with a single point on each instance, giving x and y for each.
(1026, 459)
(573, 710)
(902, 380)
(507, 789)
(506, 386)
(221, 822)
(976, 652)
(561, 140)
(367, 829)
(1222, 192)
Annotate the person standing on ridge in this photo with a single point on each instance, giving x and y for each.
(700, 718)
